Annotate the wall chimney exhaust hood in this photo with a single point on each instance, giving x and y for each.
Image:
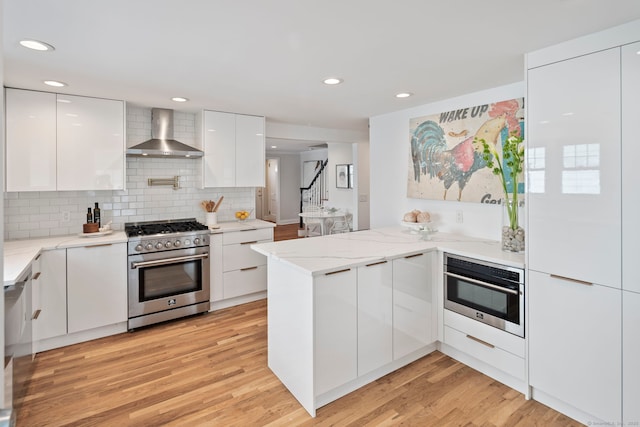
(162, 143)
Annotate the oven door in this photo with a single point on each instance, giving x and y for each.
(166, 280)
(491, 300)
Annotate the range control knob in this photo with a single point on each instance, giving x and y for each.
(176, 243)
(159, 245)
(139, 247)
(149, 246)
(187, 242)
(167, 245)
(196, 241)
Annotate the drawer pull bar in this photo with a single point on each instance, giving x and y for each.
(36, 314)
(478, 340)
(413, 256)
(336, 272)
(249, 229)
(569, 279)
(38, 257)
(97, 246)
(376, 263)
(249, 243)
(35, 276)
(248, 268)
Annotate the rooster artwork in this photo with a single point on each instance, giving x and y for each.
(445, 152)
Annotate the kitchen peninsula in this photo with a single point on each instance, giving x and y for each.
(346, 309)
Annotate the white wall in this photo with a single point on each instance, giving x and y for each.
(339, 154)
(389, 162)
(290, 182)
(361, 221)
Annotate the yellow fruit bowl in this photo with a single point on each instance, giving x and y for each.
(243, 214)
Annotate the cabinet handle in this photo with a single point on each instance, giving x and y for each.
(248, 268)
(36, 314)
(37, 257)
(35, 277)
(412, 256)
(97, 246)
(376, 263)
(249, 229)
(336, 272)
(478, 340)
(569, 279)
(249, 243)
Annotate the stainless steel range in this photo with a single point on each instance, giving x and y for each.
(168, 270)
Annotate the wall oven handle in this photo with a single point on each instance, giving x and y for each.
(168, 260)
(481, 283)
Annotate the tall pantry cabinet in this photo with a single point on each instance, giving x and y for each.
(630, 234)
(579, 168)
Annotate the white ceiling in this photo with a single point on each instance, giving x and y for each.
(270, 57)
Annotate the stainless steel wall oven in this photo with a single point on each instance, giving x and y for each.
(169, 271)
(487, 292)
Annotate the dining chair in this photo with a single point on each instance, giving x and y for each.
(312, 226)
(342, 224)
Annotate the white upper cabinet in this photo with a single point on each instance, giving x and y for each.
(64, 142)
(630, 156)
(573, 169)
(250, 151)
(219, 149)
(90, 143)
(31, 140)
(234, 151)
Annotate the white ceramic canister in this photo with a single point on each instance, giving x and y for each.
(211, 218)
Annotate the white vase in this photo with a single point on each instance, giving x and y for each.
(211, 218)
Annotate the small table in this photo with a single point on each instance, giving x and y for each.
(324, 216)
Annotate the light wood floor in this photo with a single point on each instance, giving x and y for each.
(212, 370)
(286, 232)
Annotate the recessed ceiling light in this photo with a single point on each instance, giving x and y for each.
(54, 83)
(274, 146)
(64, 101)
(332, 81)
(179, 99)
(36, 45)
(403, 94)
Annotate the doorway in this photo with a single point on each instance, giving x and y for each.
(271, 197)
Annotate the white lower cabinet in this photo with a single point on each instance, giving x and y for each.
(336, 330)
(498, 349)
(413, 299)
(630, 357)
(575, 345)
(375, 316)
(52, 296)
(97, 286)
(237, 270)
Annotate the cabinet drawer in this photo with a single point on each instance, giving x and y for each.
(243, 282)
(246, 236)
(504, 340)
(488, 353)
(235, 257)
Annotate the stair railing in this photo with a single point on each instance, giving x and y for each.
(315, 192)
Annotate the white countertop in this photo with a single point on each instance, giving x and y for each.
(248, 224)
(18, 254)
(317, 255)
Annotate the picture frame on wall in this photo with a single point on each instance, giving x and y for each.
(342, 176)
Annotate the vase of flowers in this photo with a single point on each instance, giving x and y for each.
(508, 168)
